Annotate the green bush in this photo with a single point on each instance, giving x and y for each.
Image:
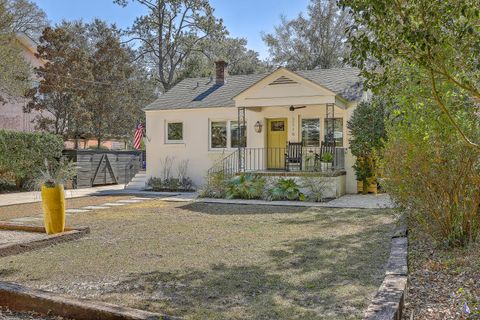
(22, 154)
(216, 185)
(431, 173)
(286, 189)
(245, 186)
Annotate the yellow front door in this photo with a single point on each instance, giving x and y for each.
(277, 134)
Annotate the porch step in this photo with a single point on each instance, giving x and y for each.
(138, 182)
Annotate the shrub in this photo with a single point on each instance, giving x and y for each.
(430, 172)
(22, 154)
(216, 185)
(286, 189)
(245, 186)
(316, 187)
(170, 184)
(368, 133)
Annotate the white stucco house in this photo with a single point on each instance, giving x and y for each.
(279, 123)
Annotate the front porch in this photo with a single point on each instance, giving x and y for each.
(289, 126)
(277, 161)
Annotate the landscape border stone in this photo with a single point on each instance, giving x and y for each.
(19, 298)
(20, 247)
(389, 300)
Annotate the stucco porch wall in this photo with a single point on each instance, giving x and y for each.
(196, 126)
(334, 186)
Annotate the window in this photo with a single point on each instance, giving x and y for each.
(235, 142)
(277, 126)
(174, 132)
(224, 134)
(311, 132)
(218, 134)
(337, 133)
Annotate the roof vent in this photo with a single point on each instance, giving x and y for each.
(283, 80)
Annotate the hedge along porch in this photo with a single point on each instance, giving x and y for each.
(257, 117)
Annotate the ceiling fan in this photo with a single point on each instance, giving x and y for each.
(292, 108)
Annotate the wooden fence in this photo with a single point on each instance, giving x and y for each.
(103, 167)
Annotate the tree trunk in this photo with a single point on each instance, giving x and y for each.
(99, 143)
(75, 143)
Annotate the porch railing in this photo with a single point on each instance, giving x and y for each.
(276, 159)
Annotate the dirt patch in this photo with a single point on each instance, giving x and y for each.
(210, 261)
(6, 314)
(10, 237)
(35, 208)
(441, 281)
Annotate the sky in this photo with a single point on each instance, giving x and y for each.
(243, 18)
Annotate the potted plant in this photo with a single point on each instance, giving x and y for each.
(364, 170)
(50, 181)
(326, 161)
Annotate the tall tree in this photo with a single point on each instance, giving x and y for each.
(432, 45)
(89, 86)
(241, 60)
(28, 18)
(62, 89)
(315, 41)
(172, 31)
(14, 71)
(111, 69)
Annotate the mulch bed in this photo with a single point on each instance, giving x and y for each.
(441, 281)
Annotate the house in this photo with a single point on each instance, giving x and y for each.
(12, 116)
(279, 123)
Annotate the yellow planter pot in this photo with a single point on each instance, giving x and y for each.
(372, 188)
(53, 203)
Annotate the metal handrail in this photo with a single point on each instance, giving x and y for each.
(265, 159)
(128, 171)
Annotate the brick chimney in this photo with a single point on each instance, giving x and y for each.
(221, 72)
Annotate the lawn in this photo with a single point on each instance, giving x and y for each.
(213, 261)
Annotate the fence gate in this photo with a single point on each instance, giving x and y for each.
(103, 173)
(101, 167)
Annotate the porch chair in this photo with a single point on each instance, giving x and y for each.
(293, 156)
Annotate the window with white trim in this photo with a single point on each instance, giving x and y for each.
(311, 132)
(175, 132)
(337, 133)
(224, 134)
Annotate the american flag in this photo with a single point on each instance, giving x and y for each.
(137, 141)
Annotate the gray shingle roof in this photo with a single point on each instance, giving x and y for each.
(205, 93)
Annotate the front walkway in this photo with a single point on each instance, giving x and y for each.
(358, 201)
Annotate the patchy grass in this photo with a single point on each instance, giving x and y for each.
(442, 280)
(213, 261)
(34, 208)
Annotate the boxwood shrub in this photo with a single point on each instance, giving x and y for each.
(22, 154)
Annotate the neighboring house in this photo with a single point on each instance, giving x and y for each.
(247, 123)
(12, 116)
